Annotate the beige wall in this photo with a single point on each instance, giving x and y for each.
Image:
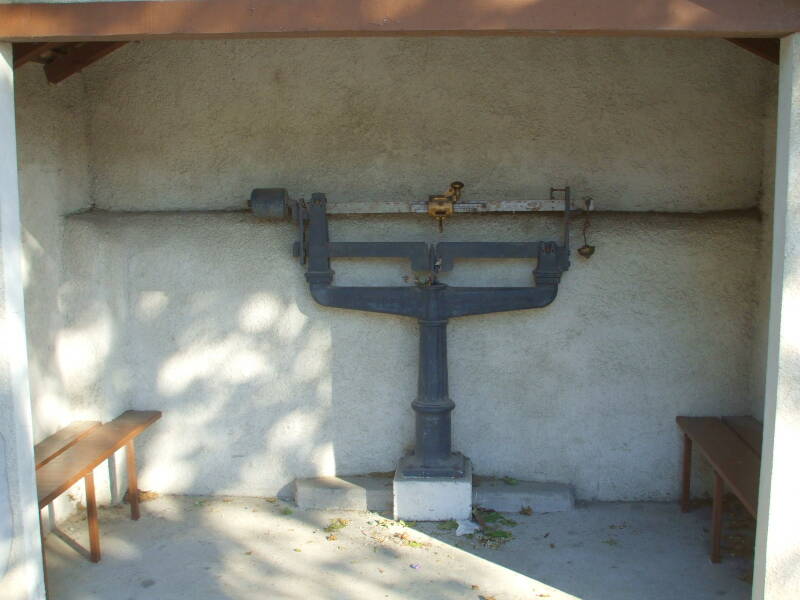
(765, 251)
(639, 124)
(54, 181)
(259, 385)
(207, 317)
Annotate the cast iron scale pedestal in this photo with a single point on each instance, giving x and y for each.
(432, 303)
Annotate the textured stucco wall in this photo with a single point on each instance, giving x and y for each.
(259, 385)
(54, 180)
(639, 124)
(207, 317)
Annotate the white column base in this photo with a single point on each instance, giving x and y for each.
(433, 498)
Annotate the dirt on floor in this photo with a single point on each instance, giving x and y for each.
(242, 548)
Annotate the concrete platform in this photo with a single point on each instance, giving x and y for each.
(364, 492)
(358, 492)
(246, 548)
(513, 497)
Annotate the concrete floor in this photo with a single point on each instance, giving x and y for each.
(243, 548)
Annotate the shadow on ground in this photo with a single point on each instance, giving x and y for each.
(242, 548)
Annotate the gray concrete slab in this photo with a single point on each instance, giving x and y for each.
(510, 495)
(356, 492)
(365, 492)
(248, 548)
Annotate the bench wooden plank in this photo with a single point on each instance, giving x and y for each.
(58, 475)
(749, 430)
(731, 458)
(52, 446)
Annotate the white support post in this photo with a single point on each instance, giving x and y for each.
(777, 560)
(21, 574)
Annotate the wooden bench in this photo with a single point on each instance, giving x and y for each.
(733, 447)
(72, 454)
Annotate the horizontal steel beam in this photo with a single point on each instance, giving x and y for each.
(378, 207)
(417, 252)
(448, 251)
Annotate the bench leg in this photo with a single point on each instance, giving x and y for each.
(686, 478)
(91, 514)
(716, 518)
(133, 485)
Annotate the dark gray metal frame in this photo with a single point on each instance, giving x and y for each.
(431, 303)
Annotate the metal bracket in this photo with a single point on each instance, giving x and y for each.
(441, 207)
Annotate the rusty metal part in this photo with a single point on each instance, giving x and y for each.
(587, 250)
(442, 206)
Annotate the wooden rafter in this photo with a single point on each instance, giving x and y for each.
(62, 59)
(766, 48)
(24, 53)
(77, 57)
(230, 18)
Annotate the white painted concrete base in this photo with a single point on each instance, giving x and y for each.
(540, 497)
(344, 493)
(433, 499)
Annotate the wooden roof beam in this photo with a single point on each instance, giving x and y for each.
(24, 53)
(767, 48)
(76, 58)
(256, 18)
